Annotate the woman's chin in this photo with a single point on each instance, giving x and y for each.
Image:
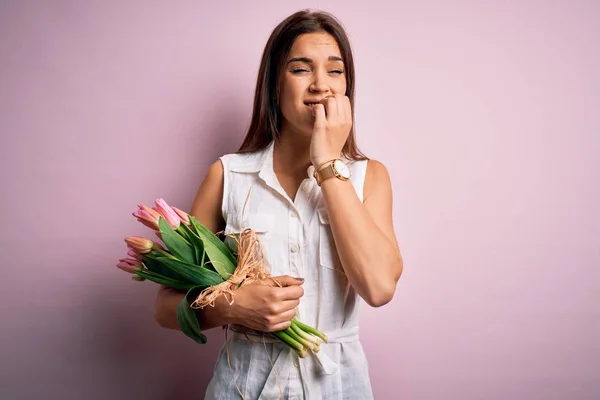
(299, 128)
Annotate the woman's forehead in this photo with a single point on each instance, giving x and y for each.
(315, 45)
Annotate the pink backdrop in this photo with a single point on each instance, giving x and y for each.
(487, 116)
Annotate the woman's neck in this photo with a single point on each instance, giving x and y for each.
(292, 154)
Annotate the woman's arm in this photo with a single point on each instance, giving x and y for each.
(165, 311)
(364, 234)
(256, 306)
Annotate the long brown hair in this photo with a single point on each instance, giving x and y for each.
(266, 119)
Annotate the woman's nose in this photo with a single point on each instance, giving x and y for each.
(319, 84)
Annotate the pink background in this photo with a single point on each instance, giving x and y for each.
(486, 113)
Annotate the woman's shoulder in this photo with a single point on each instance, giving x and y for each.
(367, 174)
(377, 178)
(372, 168)
(243, 161)
(376, 167)
(240, 156)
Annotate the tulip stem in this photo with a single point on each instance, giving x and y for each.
(165, 253)
(294, 335)
(306, 336)
(183, 235)
(295, 345)
(310, 330)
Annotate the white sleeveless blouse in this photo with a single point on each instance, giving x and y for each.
(297, 241)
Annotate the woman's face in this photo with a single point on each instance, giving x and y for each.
(314, 70)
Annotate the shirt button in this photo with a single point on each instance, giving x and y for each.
(306, 186)
(294, 214)
(294, 248)
(296, 364)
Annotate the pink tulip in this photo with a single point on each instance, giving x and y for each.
(129, 265)
(150, 210)
(140, 244)
(185, 218)
(168, 213)
(146, 218)
(131, 253)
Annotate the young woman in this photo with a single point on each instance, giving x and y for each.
(323, 213)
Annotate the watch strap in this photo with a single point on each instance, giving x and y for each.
(326, 171)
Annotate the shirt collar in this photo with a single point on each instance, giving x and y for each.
(255, 162)
(261, 162)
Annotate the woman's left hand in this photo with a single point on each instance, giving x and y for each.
(333, 121)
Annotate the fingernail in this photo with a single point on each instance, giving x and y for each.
(300, 279)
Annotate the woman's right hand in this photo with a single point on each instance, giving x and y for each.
(265, 306)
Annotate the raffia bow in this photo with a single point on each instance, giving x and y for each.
(251, 267)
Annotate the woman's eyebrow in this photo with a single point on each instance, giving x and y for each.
(309, 60)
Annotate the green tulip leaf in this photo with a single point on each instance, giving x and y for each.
(187, 318)
(177, 245)
(192, 273)
(157, 267)
(219, 255)
(163, 280)
(196, 242)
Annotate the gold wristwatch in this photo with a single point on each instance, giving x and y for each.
(330, 169)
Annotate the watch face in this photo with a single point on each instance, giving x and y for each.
(341, 168)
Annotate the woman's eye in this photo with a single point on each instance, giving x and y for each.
(302, 70)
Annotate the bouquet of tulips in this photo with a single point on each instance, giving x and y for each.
(192, 259)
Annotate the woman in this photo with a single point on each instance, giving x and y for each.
(323, 213)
